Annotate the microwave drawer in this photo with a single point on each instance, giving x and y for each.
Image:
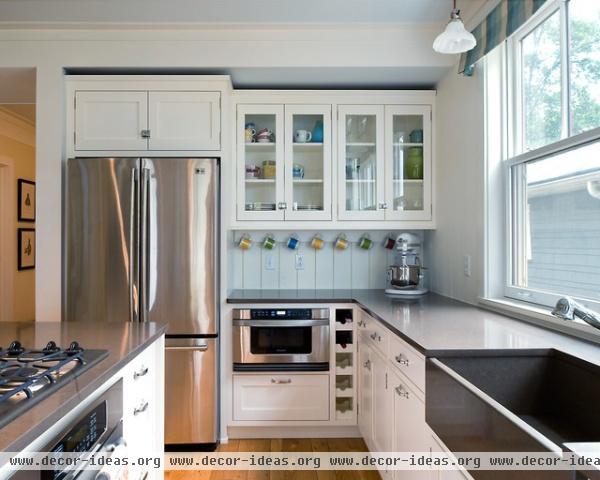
(281, 397)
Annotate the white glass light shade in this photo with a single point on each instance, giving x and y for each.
(455, 38)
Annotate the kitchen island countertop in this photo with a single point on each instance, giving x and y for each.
(433, 324)
(124, 341)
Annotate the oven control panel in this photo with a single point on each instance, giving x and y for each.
(280, 313)
(287, 314)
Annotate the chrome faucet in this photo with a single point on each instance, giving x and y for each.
(568, 309)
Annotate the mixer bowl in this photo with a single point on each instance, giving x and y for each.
(404, 276)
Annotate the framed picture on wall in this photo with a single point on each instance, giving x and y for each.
(26, 200)
(26, 242)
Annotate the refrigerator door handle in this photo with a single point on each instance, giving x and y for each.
(197, 348)
(145, 223)
(133, 227)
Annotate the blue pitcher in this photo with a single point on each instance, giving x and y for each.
(317, 132)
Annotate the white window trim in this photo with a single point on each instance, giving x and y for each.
(502, 153)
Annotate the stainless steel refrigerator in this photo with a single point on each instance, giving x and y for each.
(141, 237)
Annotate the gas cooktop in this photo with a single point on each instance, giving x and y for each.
(28, 375)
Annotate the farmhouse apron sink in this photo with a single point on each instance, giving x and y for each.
(514, 401)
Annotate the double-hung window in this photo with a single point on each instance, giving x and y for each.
(553, 169)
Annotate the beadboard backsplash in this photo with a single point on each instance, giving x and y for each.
(328, 268)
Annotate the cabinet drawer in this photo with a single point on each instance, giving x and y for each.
(408, 361)
(375, 333)
(281, 397)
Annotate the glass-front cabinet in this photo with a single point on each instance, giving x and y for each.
(408, 162)
(260, 133)
(284, 162)
(382, 171)
(308, 162)
(361, 162)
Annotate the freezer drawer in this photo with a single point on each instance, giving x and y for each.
(191, 395)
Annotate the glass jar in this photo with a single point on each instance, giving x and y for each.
(268, 169)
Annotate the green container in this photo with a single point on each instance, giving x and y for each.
(413, 164)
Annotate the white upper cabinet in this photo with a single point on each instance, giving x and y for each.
(284, 162)
(361, 162)
(260, 150)
(113, 120)
(308, 162)
(184, 120)
(408, 162)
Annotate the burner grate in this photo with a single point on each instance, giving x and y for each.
(23, 371)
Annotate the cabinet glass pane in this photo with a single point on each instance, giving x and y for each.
(407, 171)
(308, 162)
(260, 140)
(361, 163)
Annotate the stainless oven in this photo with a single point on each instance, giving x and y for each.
(292, 339)
(99, 429)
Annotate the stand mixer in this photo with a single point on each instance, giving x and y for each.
(405, 277)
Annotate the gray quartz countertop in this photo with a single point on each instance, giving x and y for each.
(433, 324)
(123, 341)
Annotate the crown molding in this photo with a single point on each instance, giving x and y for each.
(16, 127)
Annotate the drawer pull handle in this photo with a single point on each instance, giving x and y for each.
(367, 365)
(140, 373)
(401, 391)
(141, 408)
(402, 360)
(281, 381)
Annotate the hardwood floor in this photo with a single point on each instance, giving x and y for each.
(284, 445)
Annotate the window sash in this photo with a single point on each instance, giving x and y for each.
(515, 69)
(516, 221)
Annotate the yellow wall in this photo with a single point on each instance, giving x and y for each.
(22, 153)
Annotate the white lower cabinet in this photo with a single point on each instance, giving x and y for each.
(365, 392)
(391, 402)
(410, 432)
(143, 403)
(382, 404)
(279, 397)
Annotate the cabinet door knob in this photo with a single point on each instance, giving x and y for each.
(373, 336)
(282, 206)
(401, 391)
(402, 360)
(367, 365)
(361, 323)
(140, 373)
(145, 133)
(143, 406)
(383, 206)
(281, 381)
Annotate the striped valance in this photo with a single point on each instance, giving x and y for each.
(501, 22)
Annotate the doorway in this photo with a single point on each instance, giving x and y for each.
(17, 194)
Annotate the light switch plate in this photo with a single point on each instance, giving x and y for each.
(299, 261)
(467, 265)
(269, 262)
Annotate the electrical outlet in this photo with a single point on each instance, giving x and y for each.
(299, 261)
(269, 262)
(467, 265)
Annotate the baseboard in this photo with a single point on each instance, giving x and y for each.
(293, 432)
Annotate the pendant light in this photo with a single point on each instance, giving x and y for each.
(455, 38)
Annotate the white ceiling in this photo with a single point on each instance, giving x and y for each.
(227, 11)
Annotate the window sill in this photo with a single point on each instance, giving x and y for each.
(540, 316)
